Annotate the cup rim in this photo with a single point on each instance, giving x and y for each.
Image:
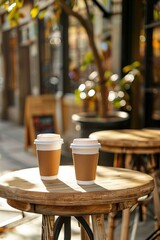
(60, 141)
(73, 145)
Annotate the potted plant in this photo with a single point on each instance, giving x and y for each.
(119, 101)
(101, 117)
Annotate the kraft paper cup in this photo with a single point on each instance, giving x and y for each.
(48, 146)
(85, 153)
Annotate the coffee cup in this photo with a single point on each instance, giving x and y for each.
(85, 153)
(48, 147)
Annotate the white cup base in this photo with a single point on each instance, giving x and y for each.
(49, 177)
(85, 182)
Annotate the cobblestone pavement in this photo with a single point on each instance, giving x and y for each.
(13, 156)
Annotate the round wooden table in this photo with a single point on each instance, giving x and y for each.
(129, 142)
(138, 149)
(115, 189)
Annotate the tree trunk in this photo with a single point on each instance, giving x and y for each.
(88, 26)
(103, 94)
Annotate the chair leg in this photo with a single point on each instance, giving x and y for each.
(118, 160)
(156, 201)
(135, 224)
(154, 235)
(128, 159)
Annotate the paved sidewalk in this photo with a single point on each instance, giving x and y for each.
(14, 157)
(12, 154)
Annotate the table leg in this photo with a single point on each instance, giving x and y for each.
(111, 225)
(98, 227)
(84, 235)
(59, 223)
(47, 227)
(86, 226)
(125, 224)
(67, 228)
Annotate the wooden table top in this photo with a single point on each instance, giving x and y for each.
(112, 185)
(129, 138)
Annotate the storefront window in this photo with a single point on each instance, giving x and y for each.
(50, 56)
(152, 63)
(12, 65)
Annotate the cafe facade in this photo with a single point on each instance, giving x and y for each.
(38, 57)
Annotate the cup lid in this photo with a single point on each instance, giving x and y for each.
(85, 143)
(46, 138)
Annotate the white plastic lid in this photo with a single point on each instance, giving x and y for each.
(85, 143)
(46, 138)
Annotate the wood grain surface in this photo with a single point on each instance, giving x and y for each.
(143, 138)
(112, 185)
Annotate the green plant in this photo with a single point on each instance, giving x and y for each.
(119, 88)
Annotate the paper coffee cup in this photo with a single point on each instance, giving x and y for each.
(48, 146)
(85, 154)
